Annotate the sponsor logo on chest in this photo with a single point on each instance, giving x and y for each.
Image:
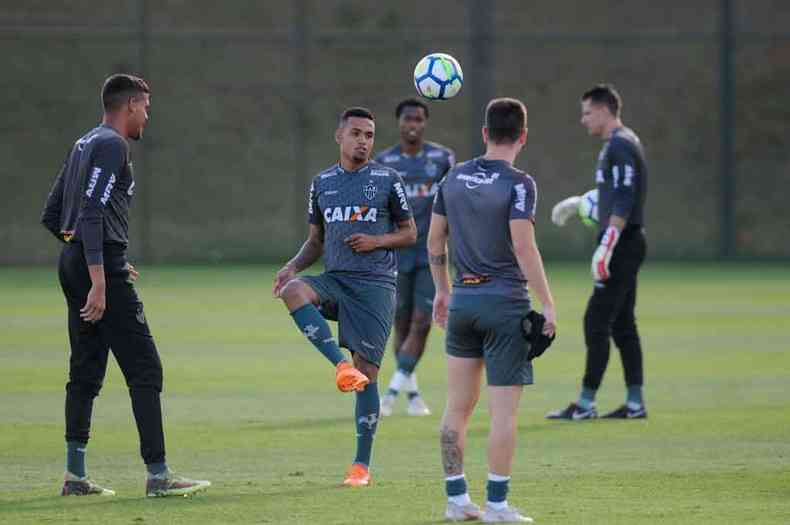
(85, 141)
(478, 179)
(350, 214)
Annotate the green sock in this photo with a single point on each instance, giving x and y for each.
(634, 397)
(586, 398)
(316, 329)
(75, 457)
(367, 418)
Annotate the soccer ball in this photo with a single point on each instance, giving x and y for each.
(438, 76)
(588, 208)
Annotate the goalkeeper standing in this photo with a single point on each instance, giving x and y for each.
(621, 179)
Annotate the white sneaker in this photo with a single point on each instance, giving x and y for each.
(417, 407)
(468, 512)
(508, 515)
(387, 403)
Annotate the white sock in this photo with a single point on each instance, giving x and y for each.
(399, 379)
(461, 500)
(411, 386)
(633, 406)
(497, 477)
(498, 505)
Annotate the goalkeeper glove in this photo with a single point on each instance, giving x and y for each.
(565, 209)
(603, 254)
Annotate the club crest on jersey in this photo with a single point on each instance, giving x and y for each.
(431, 169)
(350, 214)
(370, 191)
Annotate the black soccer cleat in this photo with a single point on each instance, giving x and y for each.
(573, 412)
(624, 412)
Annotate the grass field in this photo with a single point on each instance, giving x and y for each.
(252, 407)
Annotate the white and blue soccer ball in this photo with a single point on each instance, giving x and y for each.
(438, 76)
(588, 208)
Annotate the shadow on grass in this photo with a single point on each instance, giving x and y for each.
(143, 504)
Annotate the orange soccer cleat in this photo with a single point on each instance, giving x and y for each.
(349, 379)
(357, 476)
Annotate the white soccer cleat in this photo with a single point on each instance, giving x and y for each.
(417, 407)
(387, 404)
(507, 515)
(468, 512)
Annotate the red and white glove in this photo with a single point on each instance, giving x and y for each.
(603, 254)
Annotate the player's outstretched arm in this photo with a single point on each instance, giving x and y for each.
(437, 256)
(522, 231)
(404, 236)
(310, 252)
(565, 209)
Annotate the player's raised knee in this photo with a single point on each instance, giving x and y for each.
(295, 294)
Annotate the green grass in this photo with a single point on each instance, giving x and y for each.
(251, 406)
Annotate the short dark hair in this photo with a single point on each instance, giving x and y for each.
(606, 95)
(356, 111)
(411, 103)
(120, 88)
(506, 119)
